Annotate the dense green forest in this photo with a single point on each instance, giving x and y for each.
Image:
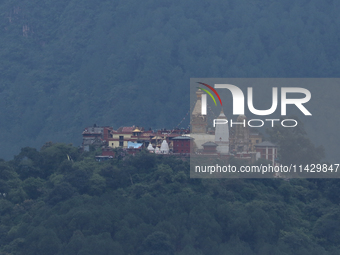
(61, 201)
(67, 64)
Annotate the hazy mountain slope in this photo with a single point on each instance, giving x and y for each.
(68, 64)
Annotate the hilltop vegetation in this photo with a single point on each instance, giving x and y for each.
(59, 201)
(68, 64)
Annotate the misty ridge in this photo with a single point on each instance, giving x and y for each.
(68, 64)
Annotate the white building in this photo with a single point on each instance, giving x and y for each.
(222, 135)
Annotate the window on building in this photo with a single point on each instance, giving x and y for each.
(121, 144)
(121, 137)
(257, 141)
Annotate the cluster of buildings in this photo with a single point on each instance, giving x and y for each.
(133, 139)
(240, 141)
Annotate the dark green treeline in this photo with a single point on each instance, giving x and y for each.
(60, 201)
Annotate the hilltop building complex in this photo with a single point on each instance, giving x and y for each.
(240, 141)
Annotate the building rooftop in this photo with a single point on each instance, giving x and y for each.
(125, 129)
(210, 144)
(182, 138)
(134, 145)
(265, 144)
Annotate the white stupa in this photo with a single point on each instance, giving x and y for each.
(222, 135)
(157, 151)
(199, 124)
(150, 148)
(164, 147)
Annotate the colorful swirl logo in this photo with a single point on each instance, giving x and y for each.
(208, 92)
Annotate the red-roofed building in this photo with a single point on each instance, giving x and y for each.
(181, 144)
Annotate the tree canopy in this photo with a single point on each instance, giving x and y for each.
(147, 204)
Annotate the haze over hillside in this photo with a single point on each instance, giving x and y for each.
(69, 64)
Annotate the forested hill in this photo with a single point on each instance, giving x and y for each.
(58, 201)
(67, 64)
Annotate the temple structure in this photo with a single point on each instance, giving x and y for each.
(222, 135)
(242, 141)
(199, 124)
(198, 121)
